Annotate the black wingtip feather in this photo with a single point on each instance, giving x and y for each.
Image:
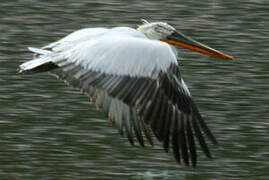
(175, 141)
(184, 147)
(200, 137)
(206, 130)
(191, 143)
(167, 126)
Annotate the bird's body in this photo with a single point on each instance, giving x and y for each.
(133, 76)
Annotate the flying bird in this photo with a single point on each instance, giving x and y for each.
(133, 76)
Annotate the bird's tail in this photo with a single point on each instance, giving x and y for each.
(42, 63)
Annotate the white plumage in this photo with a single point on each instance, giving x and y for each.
(133, 76)
(119, 51)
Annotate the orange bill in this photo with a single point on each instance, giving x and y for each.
(179, 39)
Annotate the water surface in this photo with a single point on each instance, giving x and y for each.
(50, 131)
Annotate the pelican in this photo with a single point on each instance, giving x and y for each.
(133, 76)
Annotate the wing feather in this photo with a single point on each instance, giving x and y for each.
(137, 128)
(191, 142)
(162, 102)
(167, 127)
(183, 142)
(76, 37)
(176, 138)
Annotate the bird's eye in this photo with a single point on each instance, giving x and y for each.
(158, 28)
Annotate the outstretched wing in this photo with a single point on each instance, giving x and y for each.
(137, 83)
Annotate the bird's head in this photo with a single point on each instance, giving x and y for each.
(166, 33)
(156, 30)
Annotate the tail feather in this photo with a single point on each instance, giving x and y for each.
(40, 64)
(39, 51)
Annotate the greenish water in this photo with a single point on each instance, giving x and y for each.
(50, 131)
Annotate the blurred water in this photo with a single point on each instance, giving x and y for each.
(50, 131)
